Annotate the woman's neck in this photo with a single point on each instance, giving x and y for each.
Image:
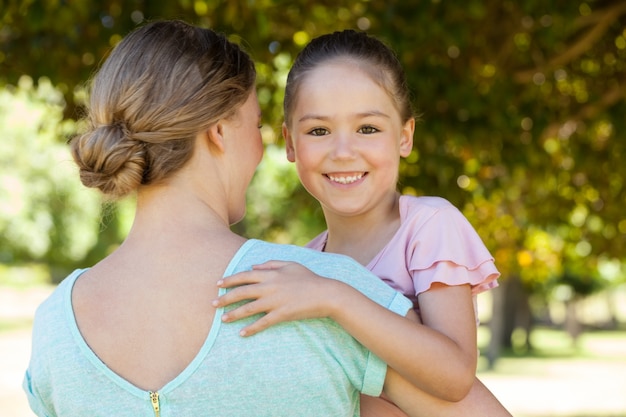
(172, 239)
(169, 216)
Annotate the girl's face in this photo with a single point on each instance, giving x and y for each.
(346, 138)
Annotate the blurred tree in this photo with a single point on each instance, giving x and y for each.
(43, 206)
(522, 102)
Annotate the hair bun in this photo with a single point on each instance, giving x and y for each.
(109, 159)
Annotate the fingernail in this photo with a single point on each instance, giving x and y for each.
(219, 282)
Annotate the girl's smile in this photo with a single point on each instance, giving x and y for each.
(344, 178)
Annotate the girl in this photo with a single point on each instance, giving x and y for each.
(348, 121)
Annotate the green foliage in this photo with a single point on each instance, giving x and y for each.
(42, 204)
(522, 107)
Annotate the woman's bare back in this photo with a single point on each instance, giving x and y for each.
(147, 320)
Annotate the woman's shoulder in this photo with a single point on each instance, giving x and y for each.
(254, 250)
(53, 310)
(332, 265)
(62, 290)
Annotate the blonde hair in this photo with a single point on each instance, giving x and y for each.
(160, 86)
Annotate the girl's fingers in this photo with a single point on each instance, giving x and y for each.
(254, 276)
(241, 312)
(258, 326)
(279, 291)
(240, 278)
(250, 309)
(245, 292)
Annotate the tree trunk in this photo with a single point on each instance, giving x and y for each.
(510, 311)
(496, 324)
(572, 325)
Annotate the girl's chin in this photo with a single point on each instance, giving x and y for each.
(347, 210)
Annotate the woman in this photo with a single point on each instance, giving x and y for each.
(174, 117)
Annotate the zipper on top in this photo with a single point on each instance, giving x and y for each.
(154, 399)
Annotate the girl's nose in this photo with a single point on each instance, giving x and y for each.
(343, 146)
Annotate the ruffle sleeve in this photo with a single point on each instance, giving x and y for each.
(447, 249)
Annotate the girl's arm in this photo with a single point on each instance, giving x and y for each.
(440, 361)
(480, 402)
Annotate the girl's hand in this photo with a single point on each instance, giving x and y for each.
(284, 291)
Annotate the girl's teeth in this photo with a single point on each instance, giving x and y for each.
(346, 180)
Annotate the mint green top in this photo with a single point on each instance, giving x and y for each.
(302, 368)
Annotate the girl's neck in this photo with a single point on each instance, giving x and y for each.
(362, 237)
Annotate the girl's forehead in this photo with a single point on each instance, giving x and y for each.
(336, 91)
(335, 78)
(342, 63)
(342, 73)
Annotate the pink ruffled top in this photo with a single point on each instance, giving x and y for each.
(435, 243)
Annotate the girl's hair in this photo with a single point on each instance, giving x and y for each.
(368, 53)
(160, 86)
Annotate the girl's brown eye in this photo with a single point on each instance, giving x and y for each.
(368, 130)
(318, 131)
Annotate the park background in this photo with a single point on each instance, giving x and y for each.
(523, 111)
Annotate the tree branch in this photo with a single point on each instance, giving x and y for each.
(610, 97)
(590, 111)
(585, 43)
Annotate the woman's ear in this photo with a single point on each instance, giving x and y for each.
(291, 152)
(406, 138)
(215, 136)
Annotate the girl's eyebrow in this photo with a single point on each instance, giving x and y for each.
(370, 113)
(312, 116)
(373, 113)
